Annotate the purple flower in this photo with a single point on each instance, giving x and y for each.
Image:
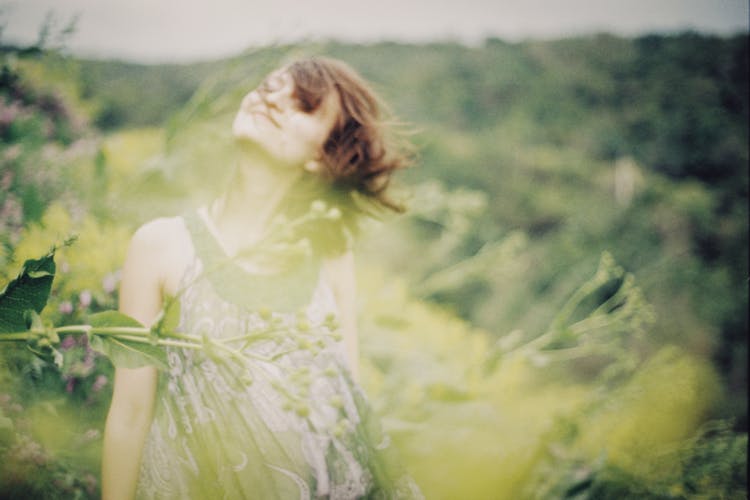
(67, 342)
(9, 113)
(91, 482)
(84, 298)
(12, 211)
(91, 434)
(26, 450)
(82, 368)
(99, 383)
(12, 152)
(70, 385)
(65, 307)
(6, 180)
(109, 283)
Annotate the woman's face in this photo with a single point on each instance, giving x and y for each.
(272, 117)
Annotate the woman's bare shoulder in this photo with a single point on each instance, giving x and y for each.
(160, 231)
(162, 247)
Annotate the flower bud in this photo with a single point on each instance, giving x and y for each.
(264, 313)
(333, 214)
(318, 207)
(303, 325)
(84, 299)
(302, 410)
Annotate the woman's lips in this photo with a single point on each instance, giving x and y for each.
(268, 117)
(265, 115)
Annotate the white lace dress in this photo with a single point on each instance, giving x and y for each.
(282, 421)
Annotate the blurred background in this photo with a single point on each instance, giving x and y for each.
(562, 313)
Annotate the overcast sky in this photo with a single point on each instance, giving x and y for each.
(187, 30)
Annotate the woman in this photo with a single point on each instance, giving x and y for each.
(268, 263)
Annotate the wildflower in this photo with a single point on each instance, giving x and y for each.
(334, 214)
(91, 434)
(99, 383)
(29, 451)
(84, 299)
(318, 207)
(302, 410)
(7, 180)
(341, 427)
(109, 283)
(91, 483)
(264, 313)
(67, 342)
(330, 371)
(336, 401)
(12, 152)
(65, 307)
(303, 325)
(12, 211)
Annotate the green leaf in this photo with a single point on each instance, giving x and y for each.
(28, 291)
(33, 320)
(169, 318)
(124, 353)
(57, 357)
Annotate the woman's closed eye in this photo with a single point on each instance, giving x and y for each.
(272, 83)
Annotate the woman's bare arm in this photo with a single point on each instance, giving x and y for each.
(131, 410)
(340, 274)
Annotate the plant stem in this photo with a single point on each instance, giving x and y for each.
(20, 335)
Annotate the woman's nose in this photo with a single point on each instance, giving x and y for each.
(250, 100)
(273, 99)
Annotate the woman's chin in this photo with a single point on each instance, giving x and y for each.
(243, 129)
(246, 143)
(239, 133)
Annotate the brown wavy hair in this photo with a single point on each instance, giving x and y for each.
(363, 149)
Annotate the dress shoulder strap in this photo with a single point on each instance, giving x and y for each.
(284, 291)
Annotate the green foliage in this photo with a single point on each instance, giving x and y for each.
(118, 87)
(87, 276)
(532, 417)
(561, 393)
(710, 464)
(28, 291)
(124, 353)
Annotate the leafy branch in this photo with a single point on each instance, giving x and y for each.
(602, 329)
(128, 343)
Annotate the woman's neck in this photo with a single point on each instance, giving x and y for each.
(243, 212)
